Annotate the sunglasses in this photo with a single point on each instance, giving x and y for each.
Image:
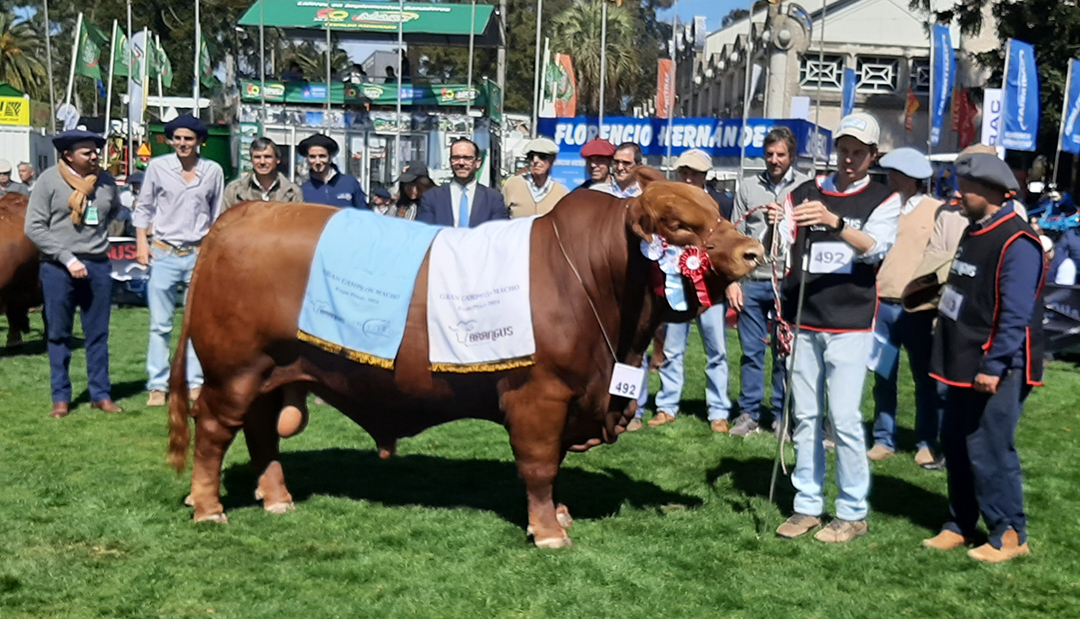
(541, 156)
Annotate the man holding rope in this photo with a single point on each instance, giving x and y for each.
(841, 227)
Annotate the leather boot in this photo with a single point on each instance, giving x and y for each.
(60, 409)
(106, 406)
(1010, 549)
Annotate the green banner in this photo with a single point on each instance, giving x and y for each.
(91, 40)
(449, 95)
(206, 67)
(119, 54)
(160, 66)
(417, 18)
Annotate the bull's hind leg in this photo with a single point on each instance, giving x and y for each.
(263, 441)
(535, 438)
(212, 440)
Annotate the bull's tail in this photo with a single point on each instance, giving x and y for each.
(179, 410)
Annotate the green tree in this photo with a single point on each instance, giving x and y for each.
(20, 50)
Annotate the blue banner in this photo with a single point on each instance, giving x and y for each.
(1021, 97)
(719, 137)
(1070, 120)
(847, 104)
(942, 76)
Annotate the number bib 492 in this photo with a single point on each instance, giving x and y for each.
(831, 257)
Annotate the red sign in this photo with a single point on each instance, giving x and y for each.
(665, 88)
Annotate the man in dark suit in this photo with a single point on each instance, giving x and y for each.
(463, 203)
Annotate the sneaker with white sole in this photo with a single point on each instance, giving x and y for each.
(744, 426)
(842, 531)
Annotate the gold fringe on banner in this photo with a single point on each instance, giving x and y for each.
(494, 366)
(348, 353)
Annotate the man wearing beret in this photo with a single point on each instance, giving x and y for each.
(326, 184)
(181, 197)
(908, 169)
(535, 192)
(988, 349)
(264, 182)
(382, 202)
(598, 154)
(68, 219)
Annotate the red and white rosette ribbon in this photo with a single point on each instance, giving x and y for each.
(693, 263)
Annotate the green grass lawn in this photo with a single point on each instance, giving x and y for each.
(669, 522)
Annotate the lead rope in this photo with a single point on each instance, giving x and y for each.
(573, 268)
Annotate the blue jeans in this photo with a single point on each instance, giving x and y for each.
(711, 325)
(830, 368)
(758, 302)
(93, 296)
(913, 331)
(979, 441)
(166, 271)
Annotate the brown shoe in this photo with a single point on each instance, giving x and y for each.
(106, 406)
(193, 393)
(946, 540)
(924, 456)
(719, 425)
(157, 398)
(880, 452)
(842, 531)
(660, 419)
(60, 409)
(1010, 549)
(798, 524)
(634, 425)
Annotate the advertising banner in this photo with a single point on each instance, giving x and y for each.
(1021, 97)
(1070, 127)
(848, 89)
(942, 76)
(665, 87)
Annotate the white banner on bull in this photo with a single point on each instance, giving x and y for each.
(479, 313)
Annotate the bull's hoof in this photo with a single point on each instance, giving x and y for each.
(280, 508)
(553, 542)
(562, 514)
(190, 502)
(291, 421)
(218, 518)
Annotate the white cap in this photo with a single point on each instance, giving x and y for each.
(5, 166)
(694, 159)
(543, 146)
(861, 126)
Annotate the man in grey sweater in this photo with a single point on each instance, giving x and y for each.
(753, 298)
(68, 219)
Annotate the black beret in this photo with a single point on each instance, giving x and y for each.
(382, 192)
(67, 139)
(186, 121)
(986, 169)
(317, 140)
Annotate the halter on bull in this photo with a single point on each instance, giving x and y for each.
(242, 319)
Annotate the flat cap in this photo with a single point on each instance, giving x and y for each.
(382, 192)
(543, 146)
(907, 161)
(861, 126)
(318, 140)
(5, 166)
(413, 170)
(185, 121)
(66, 139)
(694, 159)
(986, 169)
(598, 147)
(136, 178)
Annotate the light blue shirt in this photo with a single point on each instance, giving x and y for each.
(180, 212)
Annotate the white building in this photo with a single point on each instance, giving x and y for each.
(884, 41)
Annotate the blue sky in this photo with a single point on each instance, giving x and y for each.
(714, 10)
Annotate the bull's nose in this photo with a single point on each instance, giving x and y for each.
(754, 255)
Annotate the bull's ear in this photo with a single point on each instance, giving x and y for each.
(646, 175)
(642, 218)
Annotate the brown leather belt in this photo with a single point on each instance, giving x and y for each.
(179, 252)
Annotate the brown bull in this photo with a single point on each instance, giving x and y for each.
(19, 287)
(245, 300)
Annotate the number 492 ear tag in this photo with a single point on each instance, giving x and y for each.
(626, 381)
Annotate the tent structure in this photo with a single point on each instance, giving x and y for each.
(422, 23)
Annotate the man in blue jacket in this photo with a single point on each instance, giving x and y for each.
(463, 203)
(325, 184)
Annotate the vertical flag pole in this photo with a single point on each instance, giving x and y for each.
(1061, 128)
(536, 67)
(748, 52)
(397, 115)
(932, 108)
(674, 53)
(195, 92)
(1004, 84)
(262, 63)
(329, 48)
(74, 59)
(108, 89)
(603, 65)
(817, 104)
(48, 61)
(131, 75)
(472, 40)
(160, 95)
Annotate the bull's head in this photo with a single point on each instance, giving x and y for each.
(685, 216)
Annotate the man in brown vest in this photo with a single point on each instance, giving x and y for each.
(908, 169)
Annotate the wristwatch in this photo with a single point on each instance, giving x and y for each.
(840, 226)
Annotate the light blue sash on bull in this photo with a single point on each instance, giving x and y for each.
(361, 283)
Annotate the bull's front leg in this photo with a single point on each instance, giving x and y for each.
(536, 438)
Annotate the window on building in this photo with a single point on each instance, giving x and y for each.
(828, 72)
(877, 74)
(920, 76)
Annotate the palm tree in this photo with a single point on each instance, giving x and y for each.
(576, 31)
(312, 60)
(20, 49)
